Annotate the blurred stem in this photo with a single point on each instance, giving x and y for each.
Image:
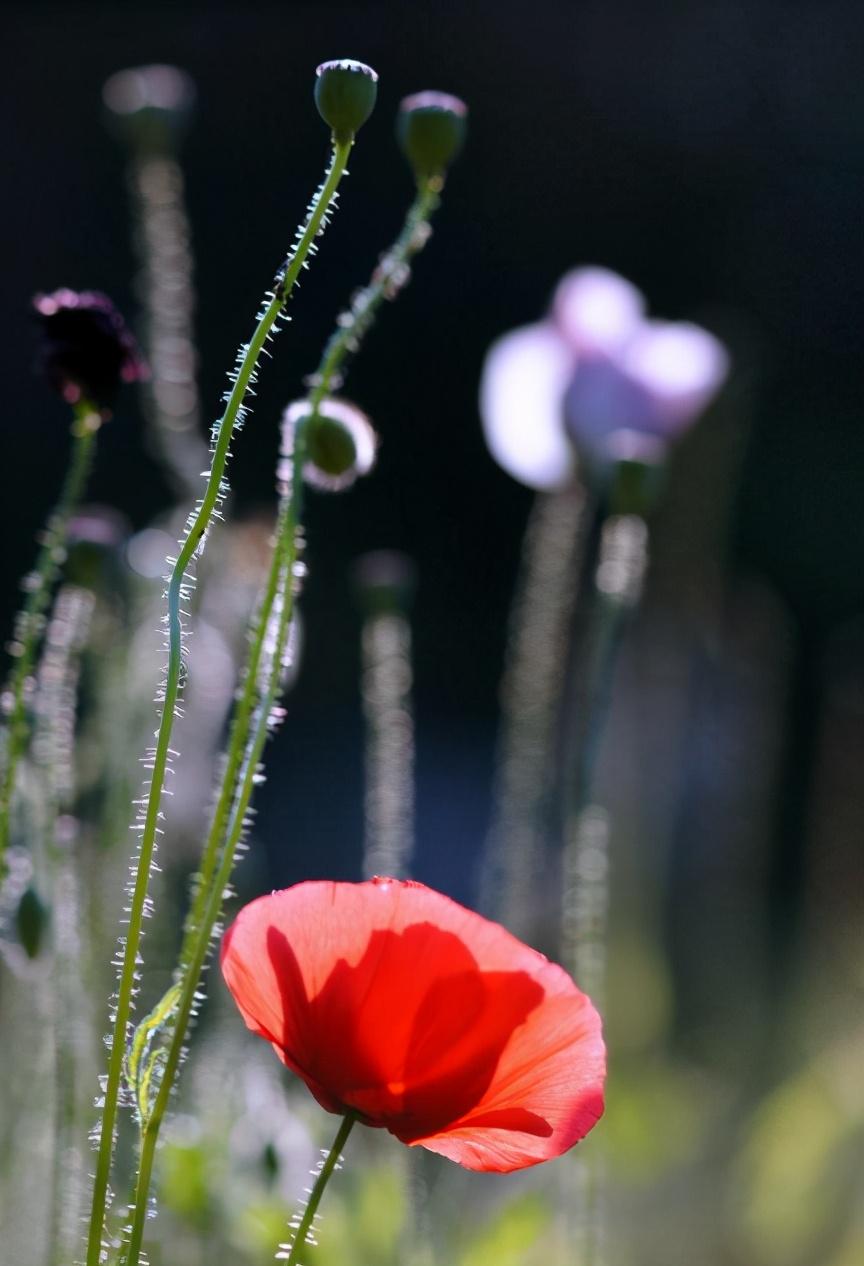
(39, 585)
(177, 590)
(541, 616)
(246, 749)
(621, 564)
(331, 1161)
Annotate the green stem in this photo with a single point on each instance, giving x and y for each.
(177, 591)
(351, 328)
(39, 588)
(199, 936)
(331, 1160)
(249, 727)
(387, 280)
(284, 555)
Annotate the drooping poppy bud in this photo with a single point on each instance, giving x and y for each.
(339, 440)
(86, 349)
(345, 94)
(422, 1018)
(431, 130)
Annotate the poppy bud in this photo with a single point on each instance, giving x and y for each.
(149, 106)
(637, 473)
(31, 919)
(339, 442)
(345, 93)
(430, 128)
(385, 581)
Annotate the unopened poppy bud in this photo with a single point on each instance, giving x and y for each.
(385, 581)
(638, 472)
(345, 93)
(31, 919)
(430, 128)
(150, 106)
(339, 441)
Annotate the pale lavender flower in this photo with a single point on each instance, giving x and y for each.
(595, 380)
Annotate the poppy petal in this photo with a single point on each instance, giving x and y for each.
(391, 1000)
(546, 1095)
(522, 391)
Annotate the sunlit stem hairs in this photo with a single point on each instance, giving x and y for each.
(254, 714)
(39, 586)
(344, 119)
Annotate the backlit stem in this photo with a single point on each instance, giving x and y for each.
(39, 586)
(198, 935)
(178, 587)
(331, 1160)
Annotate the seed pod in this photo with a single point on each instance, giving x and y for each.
(345, 93)
(31, 919)
(430, 128)
(339, 442)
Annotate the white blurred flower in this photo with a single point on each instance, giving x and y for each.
(593, 380)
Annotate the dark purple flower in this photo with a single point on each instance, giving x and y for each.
(86, 349)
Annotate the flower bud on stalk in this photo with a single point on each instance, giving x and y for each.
(345, 93)
(430, 128)
(150, 107)
(340, 442)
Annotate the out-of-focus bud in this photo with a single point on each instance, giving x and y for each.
(94, 560)
(637, 472)
(339, 441)
(385, 581)
(150, 107)
(31, 921)
(86, 349)
(431, 130)
(345, 94)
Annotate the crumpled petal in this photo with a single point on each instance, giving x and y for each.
(525, 377)
(392, 1001)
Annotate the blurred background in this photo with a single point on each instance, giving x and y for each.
(713, 153)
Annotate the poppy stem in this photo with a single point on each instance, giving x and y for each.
(517, 848)
(273, 626)
(351, 326)
(390, 276)
(179, 590)
(328, 1165)
(39, 585)
(618, 580)
(262, 683)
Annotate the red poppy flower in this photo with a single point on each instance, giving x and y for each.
(393, 1002)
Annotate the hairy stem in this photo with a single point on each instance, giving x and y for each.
(331, 1160)
(351, 327)
(178, 588)
(39, 586)
(387, 280)
(250, 724)
(198, 938)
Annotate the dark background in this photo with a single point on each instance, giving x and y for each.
(712, 152)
